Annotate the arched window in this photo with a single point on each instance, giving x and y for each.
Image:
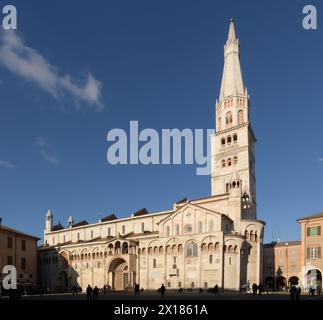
(219, 124)
(177, 229)
(223, 163)
(123, 229)
(124, 248)
(222, 141)
(142, 227)
(211, 226)
(167, 231)
(235, 138)
(211, 259)
(228, 120)
(154, 263)
(240, 117)
(191, 250)
(229, 162)
(229, 140)
(235, 160)
(200, 227)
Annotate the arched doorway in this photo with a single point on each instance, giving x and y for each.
(281, 283)
(314, 278)
(293, 281)
(118, 272)
(63, 281)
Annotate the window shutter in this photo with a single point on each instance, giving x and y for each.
(319, 230)
(319, 252)
(308, 253)
(308, 232)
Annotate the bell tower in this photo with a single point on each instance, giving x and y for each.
(233, 144)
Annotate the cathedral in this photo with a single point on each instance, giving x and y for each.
(197, 243)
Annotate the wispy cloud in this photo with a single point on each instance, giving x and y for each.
(46, 151)
(7, 164)
(320, 159)
(29, 64)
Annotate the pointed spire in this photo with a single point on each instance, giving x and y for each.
(232, 32)
(49, 213)
(232, 80)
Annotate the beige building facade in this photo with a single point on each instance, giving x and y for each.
(311, 252)
(198, 243)
(19, 250)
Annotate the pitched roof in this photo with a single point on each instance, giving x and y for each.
(109, 218)
(57, 227)
(140, 212)
(79, 224)
(17, 232)
(314, 216)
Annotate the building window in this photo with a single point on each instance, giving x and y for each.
(154, 263)
(211, 226)
(174, 260)
(169, 284)
(314, 253)
(9, 261)
(167, 231)
(314, 231)
(229, 162)
(142, 227)
(200, 227)
(180, 284)
(78, 236)
(177, 229)
(123, 229)
(223, 163)
(228, 120)
(9, 243)
(222, 141)
(229, 140)
(235, 160)
(188, 228)
(23, 245)
(230, 260)
(23, 263)
(227, 187)
(205, 285)
(64, 239)
(191, 250)
(235, 138)
(211, 259)
(91, 234)
(109, 232)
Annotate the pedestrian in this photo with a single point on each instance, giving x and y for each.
(137, 289)
(104, 289)
(162, 290)
(216, 289)
(298, 292)
(89, 292)
(95, 293)
(254, 289)
(293, 292)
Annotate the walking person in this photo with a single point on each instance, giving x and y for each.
(162, 290)
(89, 292)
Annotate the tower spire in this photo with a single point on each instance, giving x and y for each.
(232, 80)
(232, 32)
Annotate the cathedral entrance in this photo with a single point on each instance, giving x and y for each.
(118, 275)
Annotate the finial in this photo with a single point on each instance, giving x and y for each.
(232, 19)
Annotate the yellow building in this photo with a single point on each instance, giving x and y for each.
(20, 250)
(312, 242)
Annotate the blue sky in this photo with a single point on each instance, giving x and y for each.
(158, 62)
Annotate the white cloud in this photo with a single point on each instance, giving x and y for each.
(7, 164)
(46, 151)
(27, 63)
(320, 159)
